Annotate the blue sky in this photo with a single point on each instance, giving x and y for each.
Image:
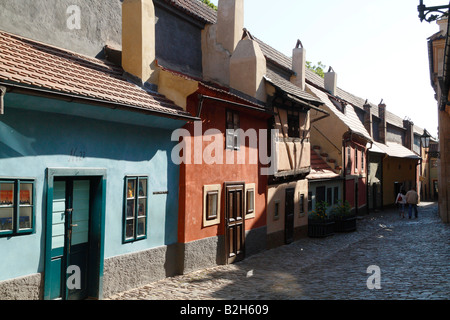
(377, 48)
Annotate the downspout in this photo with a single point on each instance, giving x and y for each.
(2, 95)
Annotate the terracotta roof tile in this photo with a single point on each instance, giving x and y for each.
(33, 63)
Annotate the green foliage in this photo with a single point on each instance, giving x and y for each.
(319, 69)
(341, 210)
(210, 4)
(320, 212)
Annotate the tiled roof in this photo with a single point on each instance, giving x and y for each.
(196, 9)
(394, 150)
(289, 87)
(31, 63)
(350, 118)
(319, 168)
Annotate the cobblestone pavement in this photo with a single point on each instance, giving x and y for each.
(413, 257)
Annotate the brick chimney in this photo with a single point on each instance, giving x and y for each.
(409, 136)
(382, 130)
(368, 118)
(248, 68)
(331, 81)
(299, 65)
(138, 40)
(230, 23)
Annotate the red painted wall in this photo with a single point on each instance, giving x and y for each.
(194, 176)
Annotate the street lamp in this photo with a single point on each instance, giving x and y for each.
(424, 11)
(425, 139)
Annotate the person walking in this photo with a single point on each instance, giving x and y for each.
(401, 201)
(412, 199)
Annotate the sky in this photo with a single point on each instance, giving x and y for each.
(377, 48)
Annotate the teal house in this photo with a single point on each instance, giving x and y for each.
(88, 191)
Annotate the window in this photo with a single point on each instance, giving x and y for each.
(17, 206)
(349, 160)
(309, 201)
(329, 196)
(250, 201)
(211, 205)
(232, 132)
(293, 125)
(362, 161)
(212, 199)
(135, 213)
(302, 205)
(336, 195)
(276, 213)
(356, 160)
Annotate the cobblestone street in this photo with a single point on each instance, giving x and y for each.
(413, 256)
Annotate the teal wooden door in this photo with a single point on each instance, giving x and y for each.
(70, 240)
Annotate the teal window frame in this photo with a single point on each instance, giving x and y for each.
(16, 230)
(132, 214)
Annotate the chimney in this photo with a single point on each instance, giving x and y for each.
(299, 65)
(368, 118)
(138, 40)
(331, 81)
(409, 136)
(230, 22)
(248, 68)
(382, 130)
(443, 25)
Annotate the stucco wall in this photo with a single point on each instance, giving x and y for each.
(33, 141)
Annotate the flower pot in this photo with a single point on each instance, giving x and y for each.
(345, 224)
(320, 228)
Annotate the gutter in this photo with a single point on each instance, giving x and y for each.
(67, 97)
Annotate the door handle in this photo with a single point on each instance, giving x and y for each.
(73, 225)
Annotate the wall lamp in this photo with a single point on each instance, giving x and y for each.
(424, 11)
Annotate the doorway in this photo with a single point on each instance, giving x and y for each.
(234, 222)
(289, 216)
(74, 241)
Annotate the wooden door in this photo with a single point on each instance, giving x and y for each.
(235, 223)
(70, 239)
(289, 216)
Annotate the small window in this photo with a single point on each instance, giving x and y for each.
(329, 196)
(356, 160)
(293, 125)
(302, 204)
(276, 212)
(362, 161)
(17, 207)
(349, 160)
(250, 201)
(211, 205)
(135, 213)
(212, 201)
(336, 195)
(232, 132)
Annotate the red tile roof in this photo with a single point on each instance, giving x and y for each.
(32, 63)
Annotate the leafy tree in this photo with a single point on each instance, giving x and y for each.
(210, 4)
(319, 69)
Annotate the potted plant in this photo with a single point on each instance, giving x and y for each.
(344, 220)
(320, 224)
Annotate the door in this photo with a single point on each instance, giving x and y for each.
(235, 223)
(289, 216)
(70, 239)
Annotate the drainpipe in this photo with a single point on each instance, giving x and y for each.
(2, 95)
